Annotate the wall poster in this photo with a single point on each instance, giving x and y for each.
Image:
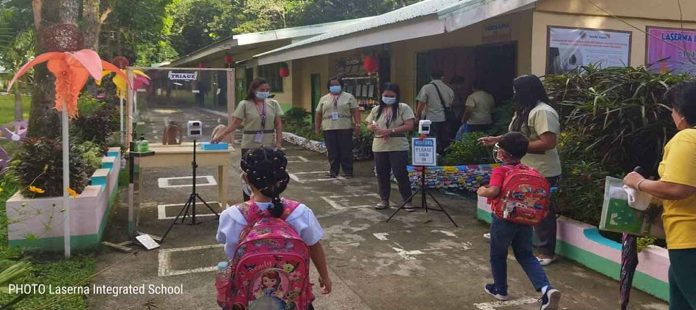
(671, 50)
(570, 48)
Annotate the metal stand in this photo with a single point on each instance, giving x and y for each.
(423, 190)
(133, 215)
(191, 202)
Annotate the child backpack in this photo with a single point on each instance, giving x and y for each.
(524, 197)
(270, 267)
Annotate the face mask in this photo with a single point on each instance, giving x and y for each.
(262, 94)
(389, 100)
(335, 89)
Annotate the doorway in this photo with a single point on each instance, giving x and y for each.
(496, 67)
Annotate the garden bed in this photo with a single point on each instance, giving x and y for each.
(582, 243)
(37, 223)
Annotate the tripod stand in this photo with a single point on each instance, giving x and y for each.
(423, 190)
(190, 205)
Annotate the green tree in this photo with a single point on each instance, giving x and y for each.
(323, 11)
(197, 23)
(139, 30)
(16, 44)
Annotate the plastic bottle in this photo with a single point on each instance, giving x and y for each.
(222, 282)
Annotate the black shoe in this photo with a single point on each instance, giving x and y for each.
(331, 175)
(348, 175)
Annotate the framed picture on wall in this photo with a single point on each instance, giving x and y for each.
(571, 48)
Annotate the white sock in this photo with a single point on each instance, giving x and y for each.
(544, 289)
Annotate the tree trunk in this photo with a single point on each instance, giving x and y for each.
(18, 104)
(91, 24)
(44, 119)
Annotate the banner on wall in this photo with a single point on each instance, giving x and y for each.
(570, 48)
(671, 50)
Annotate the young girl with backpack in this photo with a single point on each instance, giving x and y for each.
(519, 197)
(269, 241)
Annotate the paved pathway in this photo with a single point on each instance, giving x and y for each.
(417, 261)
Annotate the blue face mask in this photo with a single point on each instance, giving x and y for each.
(389, 100)
(262, 94)
(335, 89)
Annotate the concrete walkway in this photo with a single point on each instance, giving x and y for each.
(416, 261)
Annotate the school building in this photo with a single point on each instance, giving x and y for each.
(488, 40)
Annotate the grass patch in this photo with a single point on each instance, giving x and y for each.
(7, 106)
(46, 269)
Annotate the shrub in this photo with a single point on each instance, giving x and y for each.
(613, 121)
(91, 153)
(96, 126)
(468, 151)
(39, 164)
(362, 144)
(502, 115)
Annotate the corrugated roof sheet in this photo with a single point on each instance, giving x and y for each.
(423, 8)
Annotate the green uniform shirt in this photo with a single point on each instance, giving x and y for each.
(433, 108)
(251, 120)
(392, 144)
(341, 106)
(542, 119)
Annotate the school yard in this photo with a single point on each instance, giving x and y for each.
(416, 261)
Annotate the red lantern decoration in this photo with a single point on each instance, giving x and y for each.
(284, 70)
(201, 65)
(229, 59)
(370, 64)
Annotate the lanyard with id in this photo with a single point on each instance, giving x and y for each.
(334, 114)
(258, 137)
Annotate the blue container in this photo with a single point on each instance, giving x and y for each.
(207, 146)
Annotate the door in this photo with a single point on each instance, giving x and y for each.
(496, 65)
(316, 94)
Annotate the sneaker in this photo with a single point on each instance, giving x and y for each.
(550, 299)
(409, 207)
(330, 175)
(487, 236)
(546, 261)
(499, 295)
(348, 175)
(382, 205)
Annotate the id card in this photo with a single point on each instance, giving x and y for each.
(258, 137)
(334, 116)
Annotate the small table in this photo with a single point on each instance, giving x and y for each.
(181, 156)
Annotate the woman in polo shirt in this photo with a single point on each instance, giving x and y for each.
(677, 187)
(338, 116)
(390, 122)
(260, 118)
(540, 123)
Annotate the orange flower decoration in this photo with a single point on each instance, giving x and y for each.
(71, 70)
(35, 189)
(72, 192)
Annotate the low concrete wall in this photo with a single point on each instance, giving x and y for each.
(583, 243)
(37, 224)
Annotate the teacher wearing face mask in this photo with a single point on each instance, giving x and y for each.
(260, 117)
(391, 122)
(339, 118)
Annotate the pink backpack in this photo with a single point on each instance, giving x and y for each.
(524, 197)
(270, 268)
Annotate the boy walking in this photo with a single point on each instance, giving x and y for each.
(505, 233)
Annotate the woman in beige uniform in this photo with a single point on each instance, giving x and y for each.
(339, 118)
(260, 117)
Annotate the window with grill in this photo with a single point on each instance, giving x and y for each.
(272, 75)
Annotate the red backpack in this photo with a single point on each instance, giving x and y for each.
(270, 268)
(524, 197)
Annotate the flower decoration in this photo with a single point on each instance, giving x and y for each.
(72, 193)
(71, 70)
(35, 189)
(120, 81)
